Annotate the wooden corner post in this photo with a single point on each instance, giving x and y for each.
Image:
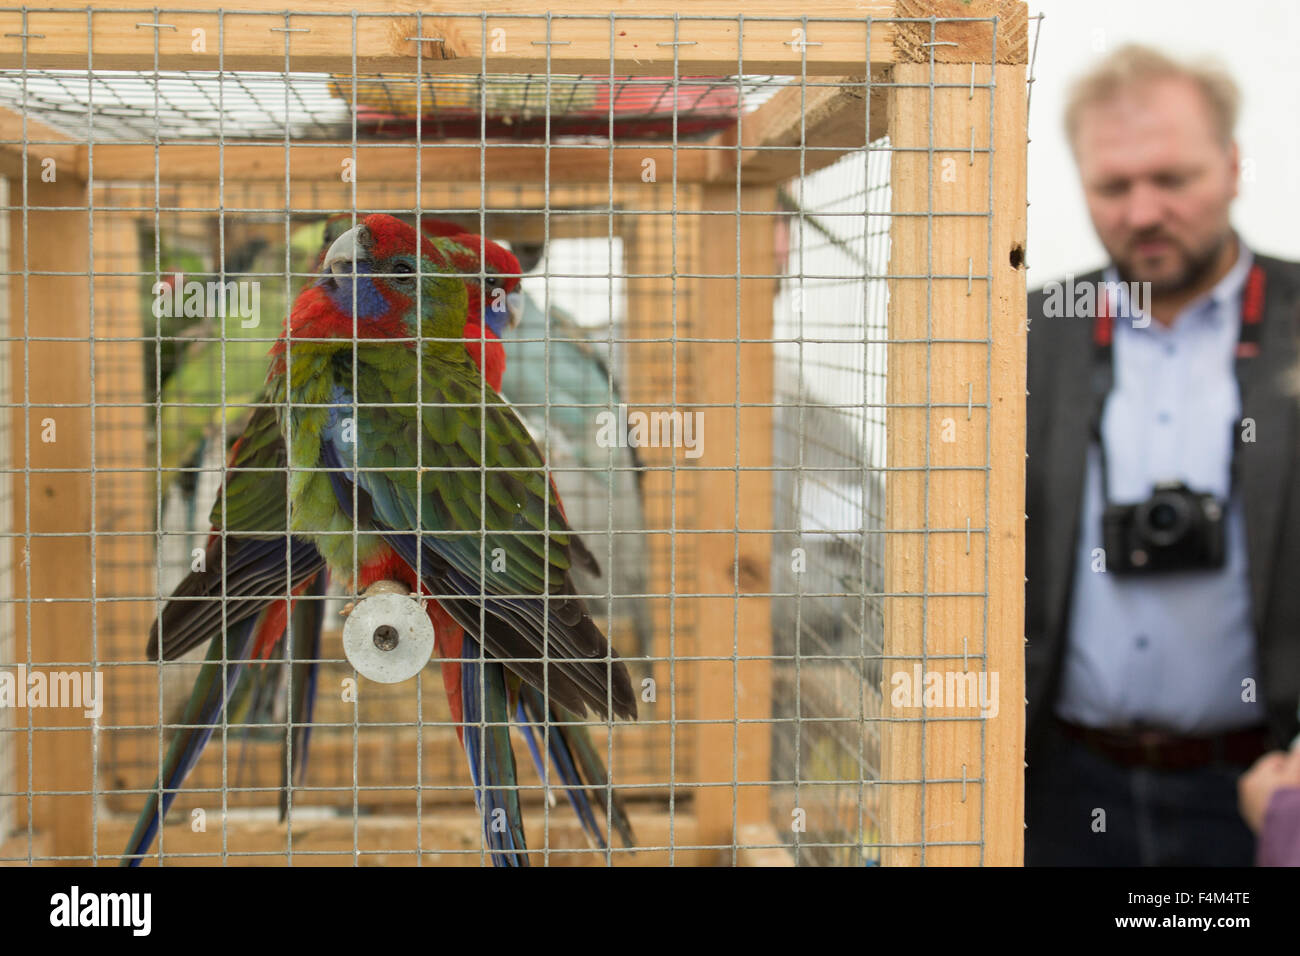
(953, 761)
(54, 577)
(733, 306)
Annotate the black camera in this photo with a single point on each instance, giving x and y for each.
(1176, 529)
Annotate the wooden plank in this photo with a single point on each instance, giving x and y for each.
(655, 246)
(955, 780)
(582, 38)
(516, 213)
(270, 201)
(14, 130)
(962, 41)
(10, 547)
(13, 133)
(60, 634)
(827, 117)
(731, 755)
(1004, 789)
(447, 838)
(390, 162)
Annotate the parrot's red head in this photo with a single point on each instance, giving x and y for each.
(471, 255)
(441, 227)
(499, 265)
(370, 272)
(492, 297)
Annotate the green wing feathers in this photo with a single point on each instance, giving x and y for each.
(480, 473)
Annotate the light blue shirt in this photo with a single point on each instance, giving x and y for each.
(1167, 651)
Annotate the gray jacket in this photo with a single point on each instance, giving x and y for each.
(1060, 407)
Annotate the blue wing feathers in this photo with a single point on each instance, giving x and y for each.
(491, 759)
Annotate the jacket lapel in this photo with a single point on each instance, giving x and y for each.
(1071, 434)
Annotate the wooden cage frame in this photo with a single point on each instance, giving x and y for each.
(929, 60)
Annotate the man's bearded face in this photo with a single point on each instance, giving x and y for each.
(1158, 182)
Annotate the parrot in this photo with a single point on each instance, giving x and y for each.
(489, 308)
(479, 491)
(491, 313)
(569, 744)
(254, 699)
(222, 371)
(253, 565)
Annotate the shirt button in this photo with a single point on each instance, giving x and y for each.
(1141, 642)
(1163, 418)
(1170, 349)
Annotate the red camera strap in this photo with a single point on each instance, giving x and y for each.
(1103, 335)
(1252, 311)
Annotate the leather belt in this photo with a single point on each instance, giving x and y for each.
(1165, 751)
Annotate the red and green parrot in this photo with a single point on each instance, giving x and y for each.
(524, 616)
(491, 312)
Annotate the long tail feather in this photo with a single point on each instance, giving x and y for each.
(491, 757)
(202, 716)
(250, 701)
(255, 702)
(562, 760)
(581, 771)
(593, 771)
(305, 626)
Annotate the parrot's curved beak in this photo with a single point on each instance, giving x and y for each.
(346, 250)
(514, 309)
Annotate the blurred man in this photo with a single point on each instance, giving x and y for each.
(1163, 499)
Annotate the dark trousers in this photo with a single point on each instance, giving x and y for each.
(1151, 817)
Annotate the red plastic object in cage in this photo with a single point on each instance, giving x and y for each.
(517, 107)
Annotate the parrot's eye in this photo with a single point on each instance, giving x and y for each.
(404, 271)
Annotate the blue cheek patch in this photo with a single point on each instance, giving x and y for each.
(497, 318)
(370, 302)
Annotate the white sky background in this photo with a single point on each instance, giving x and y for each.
(1258, 41)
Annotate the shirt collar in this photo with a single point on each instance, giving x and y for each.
(1226, 291)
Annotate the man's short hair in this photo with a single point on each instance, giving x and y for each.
(1135, 65)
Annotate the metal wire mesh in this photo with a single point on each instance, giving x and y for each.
(829, 506)
(643, 272)
(9, 741)
(144, 107)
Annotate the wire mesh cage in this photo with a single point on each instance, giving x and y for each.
(765, 331)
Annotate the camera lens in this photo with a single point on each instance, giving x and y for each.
(1163, 516)
(1163, 519)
